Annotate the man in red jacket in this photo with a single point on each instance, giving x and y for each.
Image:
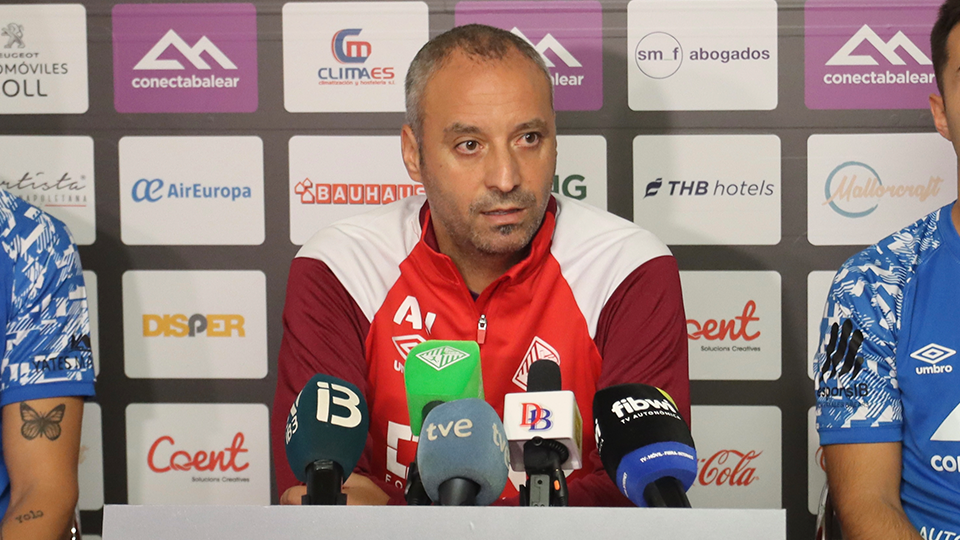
(488, 255)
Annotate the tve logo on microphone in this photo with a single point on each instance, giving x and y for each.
(197, 454)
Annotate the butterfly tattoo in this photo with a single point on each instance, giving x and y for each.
(37, 425)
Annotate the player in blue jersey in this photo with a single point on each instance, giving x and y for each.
(888, 372)
(46, 372)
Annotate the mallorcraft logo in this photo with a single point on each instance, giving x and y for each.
(185, 57)
(366, 194)
(568, 35)
(729, 468)
(855, 189)
(861, 54)
(353, 53)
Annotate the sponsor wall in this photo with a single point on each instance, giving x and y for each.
(764, 140)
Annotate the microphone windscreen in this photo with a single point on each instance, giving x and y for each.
(441, 371)
(464, 439)
(543, 376)
(328, 420)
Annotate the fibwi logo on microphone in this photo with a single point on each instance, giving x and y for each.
(630, 406)
(535, 417)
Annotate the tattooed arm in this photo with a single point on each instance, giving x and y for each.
(41, 446)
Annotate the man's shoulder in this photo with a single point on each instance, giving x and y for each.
(23, 226)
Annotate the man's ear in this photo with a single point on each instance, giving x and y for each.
(939, 111)
(411, 153)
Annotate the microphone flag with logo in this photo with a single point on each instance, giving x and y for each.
(441, 371)
(462, 454)
(643, 441)
(325, 435)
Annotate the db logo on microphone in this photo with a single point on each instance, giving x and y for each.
(536, 417)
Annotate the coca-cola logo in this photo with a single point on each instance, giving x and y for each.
(164, 457)
(733, 329)
(728, 468)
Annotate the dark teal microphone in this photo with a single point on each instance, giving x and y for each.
(325, 435)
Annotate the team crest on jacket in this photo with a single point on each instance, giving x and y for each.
(405, 344)
(538, 350)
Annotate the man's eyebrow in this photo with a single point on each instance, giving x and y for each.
(457, 128)
(536, 123)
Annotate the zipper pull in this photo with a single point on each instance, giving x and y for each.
(482, 329)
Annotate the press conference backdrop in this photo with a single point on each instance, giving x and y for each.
(193, 147)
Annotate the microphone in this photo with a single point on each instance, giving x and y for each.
(645, 445)
(462, 454)
(325, 435)
(545, 431)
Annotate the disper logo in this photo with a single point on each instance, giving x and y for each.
(370, 194)
(854, 190)
(153, 190)
(728, 468)
(14, 34)
(180, 325)
(887, 49)
(703, 188)
(165, 457)
(535, 417)
(659, 55)
(353, 52)
(933, 354)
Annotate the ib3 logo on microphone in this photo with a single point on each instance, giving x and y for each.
(535, 417)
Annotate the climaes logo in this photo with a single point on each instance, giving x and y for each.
(704, 188)
(729, 468)
(370, 194)
(353, 54)
(854, 189)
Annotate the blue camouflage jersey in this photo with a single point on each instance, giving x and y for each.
(46, 351)
(904, 295)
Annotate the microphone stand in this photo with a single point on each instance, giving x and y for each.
(324, 484)
(546, 483)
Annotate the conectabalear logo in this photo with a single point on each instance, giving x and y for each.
(353, 53)
(854, 189)
(165, 457)
(729, 468)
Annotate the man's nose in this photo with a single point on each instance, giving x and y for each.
(504, 170)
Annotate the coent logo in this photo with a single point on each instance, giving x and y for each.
(163, 457)
(180, 325)
(734, 329)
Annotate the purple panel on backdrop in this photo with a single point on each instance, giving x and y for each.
(569, 34)
(185, 58)
(869, 54)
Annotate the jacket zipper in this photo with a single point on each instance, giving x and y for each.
(482, 329)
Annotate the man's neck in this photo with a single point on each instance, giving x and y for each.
(480, 269)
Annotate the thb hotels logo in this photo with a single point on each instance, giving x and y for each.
(185, 58)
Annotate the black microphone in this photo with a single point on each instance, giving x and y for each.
(325, 435)
(645, 445)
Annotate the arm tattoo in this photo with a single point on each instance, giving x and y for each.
(32, 514)
(41, 425)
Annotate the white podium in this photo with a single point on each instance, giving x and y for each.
(122, 522)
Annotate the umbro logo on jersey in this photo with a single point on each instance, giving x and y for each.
(933, 354)
(538, 350)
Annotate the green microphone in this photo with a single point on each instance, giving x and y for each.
(441, 371)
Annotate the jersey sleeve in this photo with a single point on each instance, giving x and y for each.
(47, 350)
(641, 336)
(323, 332)
(858, 401)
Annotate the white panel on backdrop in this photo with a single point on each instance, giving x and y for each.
(43, 59)
(582, 169)
(733, 324)
(708, 189)
(55, 174)
(349, 56)
(738, 448)
(90, 472)
(818, 286)
(816, 474)
(861, 188)
(93, 306)
(702, 55)
(191, 190)
(200, 324)
(197, 454)
(332, 178)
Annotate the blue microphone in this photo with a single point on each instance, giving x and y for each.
(325, 435)
(462, 454)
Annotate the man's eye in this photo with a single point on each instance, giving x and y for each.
(469, 146)
(531, 138)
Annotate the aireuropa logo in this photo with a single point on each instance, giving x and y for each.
(861, 188)
(442, 357)
(195, 324)
(677, 60)
(191, 190)
(867, 54)
(197, 454)
(43, 61)
(349, 56)
(55, 174)
(567, 34)
(737, 468)
(185, 58)
(708, 189)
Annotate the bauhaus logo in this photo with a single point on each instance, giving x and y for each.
(353, 54)
(566, 34)
(311, 192)
(863, 55)
(185, 57)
